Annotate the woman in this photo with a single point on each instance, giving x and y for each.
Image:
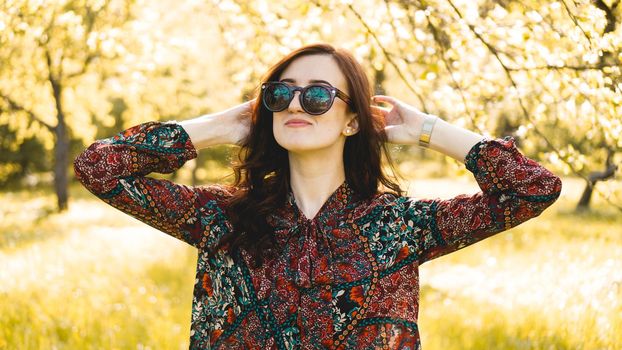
(305, 250)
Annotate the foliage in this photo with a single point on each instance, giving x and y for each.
(546, 72)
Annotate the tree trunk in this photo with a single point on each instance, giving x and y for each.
(61, 149)
(61, 155)
(610, 168)
(594, 177)
(586, 196)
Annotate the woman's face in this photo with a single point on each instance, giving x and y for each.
(300, 132)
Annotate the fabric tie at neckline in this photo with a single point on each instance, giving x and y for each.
(310, 270)
(313, 263)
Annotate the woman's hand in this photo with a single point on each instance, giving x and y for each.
(227, 127)
(402, 121)
(238, 120)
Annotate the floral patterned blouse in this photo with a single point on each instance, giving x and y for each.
(346, 279)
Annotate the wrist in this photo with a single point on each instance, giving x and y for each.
(206, 130)
(426, 130)
(452, 140)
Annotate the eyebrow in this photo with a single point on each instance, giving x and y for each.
(313, 81)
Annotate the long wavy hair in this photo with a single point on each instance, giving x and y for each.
(262, 174)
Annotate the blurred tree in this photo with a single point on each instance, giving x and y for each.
(16, 162)
(86, 69)
(545, 72)
(48, 50)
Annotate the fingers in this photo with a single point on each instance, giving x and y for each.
(385, 99)
(380, 110)
(388, 114)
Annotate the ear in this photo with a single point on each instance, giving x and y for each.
(352, 127)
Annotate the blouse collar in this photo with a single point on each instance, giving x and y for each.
(336, 202)
(289, 215)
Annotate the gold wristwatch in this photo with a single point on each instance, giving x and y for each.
(426, 130)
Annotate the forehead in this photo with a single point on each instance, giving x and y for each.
(303, 70)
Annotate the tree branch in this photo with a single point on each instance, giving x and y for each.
(552, 67)
(53, 79)
(611, 17)
(508, 73)
(574, 19)
(91, 17)
(494, 52)
(439, 43)
(14, 106)
(388, 57)
(87, 62)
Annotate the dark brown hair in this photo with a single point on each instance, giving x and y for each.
(262, 176)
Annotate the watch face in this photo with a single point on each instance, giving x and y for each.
(426, 131)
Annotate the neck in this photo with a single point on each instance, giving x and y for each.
(314, 177)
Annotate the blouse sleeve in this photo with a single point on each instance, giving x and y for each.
(115, 170)
(513, 187)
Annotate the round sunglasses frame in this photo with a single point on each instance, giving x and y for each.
(334, 92)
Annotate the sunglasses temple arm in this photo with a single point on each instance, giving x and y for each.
(345, 98)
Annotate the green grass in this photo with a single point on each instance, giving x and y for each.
(553, 282)
(90, 278)
(95, 278)
(459, 323)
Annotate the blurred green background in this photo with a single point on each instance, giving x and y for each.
(77, 274)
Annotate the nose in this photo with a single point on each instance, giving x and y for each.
(294, 105)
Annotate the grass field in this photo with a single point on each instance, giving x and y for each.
(95, 278)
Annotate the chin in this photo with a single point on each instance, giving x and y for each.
(307, 141)
(298, 147)
(298, 143)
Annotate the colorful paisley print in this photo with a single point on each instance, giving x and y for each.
(346, 279)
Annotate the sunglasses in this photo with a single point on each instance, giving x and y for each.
(315, 99)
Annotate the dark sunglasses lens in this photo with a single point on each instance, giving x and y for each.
(276, 97)
(317, 99)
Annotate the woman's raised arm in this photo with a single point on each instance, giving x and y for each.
(404, 125)
(115, 170)
(227, 127)
(513, 187)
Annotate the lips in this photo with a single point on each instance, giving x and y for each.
(297, 122)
